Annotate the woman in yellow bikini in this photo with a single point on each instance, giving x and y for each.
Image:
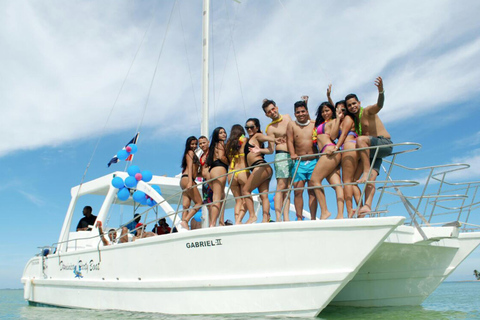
(236, 155)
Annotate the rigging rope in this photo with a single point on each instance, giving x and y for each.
(235, 57)
(189, 69)
(156, 67)
(213, 69)
(116, 99)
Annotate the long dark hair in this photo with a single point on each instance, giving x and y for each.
(320, 119)
(257, 124)
(346, 113)
(233, 146)
(213, 143)
(187, 148)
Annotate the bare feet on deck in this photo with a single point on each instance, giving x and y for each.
(325, 216)
(364, 210)
(184, 224)
(252, 219)
(339, 216)
(352, 214)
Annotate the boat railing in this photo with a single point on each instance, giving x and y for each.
(385, 184)
(434, 202)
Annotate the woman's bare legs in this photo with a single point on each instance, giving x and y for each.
(189, 195)
(334, 178)
(257, 177)
(263, 188)
(324, 167)
(218, 188)
(349, 166)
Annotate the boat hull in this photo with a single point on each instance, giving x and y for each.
(404, 271)
(292, 268)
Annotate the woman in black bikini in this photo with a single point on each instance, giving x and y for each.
(190, 165)
(260, 176)
(218, 163)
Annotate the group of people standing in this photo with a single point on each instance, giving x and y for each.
(306, 151)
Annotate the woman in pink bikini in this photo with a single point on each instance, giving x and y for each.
(326, 130)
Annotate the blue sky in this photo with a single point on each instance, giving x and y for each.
(63, 64)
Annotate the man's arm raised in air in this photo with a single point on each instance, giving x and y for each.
(375, 108)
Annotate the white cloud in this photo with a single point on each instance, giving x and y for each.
(38, 201)
(64, 63)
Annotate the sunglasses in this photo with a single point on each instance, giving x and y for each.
(247, 127)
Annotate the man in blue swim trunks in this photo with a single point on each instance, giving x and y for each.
(300, 145)
(371, 132)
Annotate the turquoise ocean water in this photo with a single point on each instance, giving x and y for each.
(451, 300)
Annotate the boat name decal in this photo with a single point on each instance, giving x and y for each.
(80, 266)
(203, 244)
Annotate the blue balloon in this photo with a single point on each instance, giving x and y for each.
(198, 216)
(139, 196)
(131, 182)
(134, 148)
(122, 154)
(271, 197)
(133, 170)
(150, 202)
(157, 188)
(123, 194)
(117, 182)
(146, 175)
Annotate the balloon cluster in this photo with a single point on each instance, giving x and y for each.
(127, 151)
(135, 175)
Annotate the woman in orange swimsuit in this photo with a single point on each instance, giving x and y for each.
(236, 155)
(261, 175)
(190, 165)
(218, 163)
(326, 130)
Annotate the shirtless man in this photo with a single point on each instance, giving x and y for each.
(299, 142)
(283, 169)
(371, 132)
(207, 193)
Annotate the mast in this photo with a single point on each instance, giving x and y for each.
(205, 57)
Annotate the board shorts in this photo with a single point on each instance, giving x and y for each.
(382, 152)
(283, 169)
(305, 169)
(207, 193)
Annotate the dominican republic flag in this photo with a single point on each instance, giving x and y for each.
(130, 157)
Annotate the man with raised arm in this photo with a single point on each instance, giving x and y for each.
(371, 132)
(300, 144)
(284, 164)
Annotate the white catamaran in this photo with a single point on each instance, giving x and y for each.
(289, 268)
